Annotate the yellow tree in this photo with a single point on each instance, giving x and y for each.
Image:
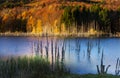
(63, 28)
(55, 28)
(31, 24)
(24, 15)
(39, 26)
(5, 17)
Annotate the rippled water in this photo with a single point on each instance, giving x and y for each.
(81, 54)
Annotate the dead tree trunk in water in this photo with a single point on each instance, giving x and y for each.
(46, 52)
(52, 52)
(89, 48)
(63, 57)
(117, 70)
(41, 48)
(56, 50)
(102, 70)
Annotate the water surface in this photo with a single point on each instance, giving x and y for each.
(76, 56)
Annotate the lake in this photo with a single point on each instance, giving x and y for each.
(79, 55)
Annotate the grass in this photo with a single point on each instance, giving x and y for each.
(93, 76)
(36, 67)
(33, 67)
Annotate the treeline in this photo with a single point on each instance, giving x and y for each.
(13, 25)
(12, 21)
(74, 19)
(95, 17)
(12, 3)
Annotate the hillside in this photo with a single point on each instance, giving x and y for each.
(44, 16)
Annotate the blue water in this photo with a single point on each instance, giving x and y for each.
(76, 56)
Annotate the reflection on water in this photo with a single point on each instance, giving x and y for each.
(79, 55)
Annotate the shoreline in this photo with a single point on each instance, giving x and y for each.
(86, 35)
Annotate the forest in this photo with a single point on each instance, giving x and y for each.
(12, 3)
(66, 19)
(95, 17)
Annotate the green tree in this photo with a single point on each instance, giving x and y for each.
(94, 10)
(104, 20)
(67, 17)
(76, 16)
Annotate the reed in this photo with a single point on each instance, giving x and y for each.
(27, 67)
(117, 69)
(52, 52)
(102, 69)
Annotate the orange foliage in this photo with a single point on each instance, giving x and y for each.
(24, 14)
(63, 29)
(5, 17)
(47, 18)
(39, 26)
(30, 24)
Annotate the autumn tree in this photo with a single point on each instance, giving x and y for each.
(38, 26)
(30, 24)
